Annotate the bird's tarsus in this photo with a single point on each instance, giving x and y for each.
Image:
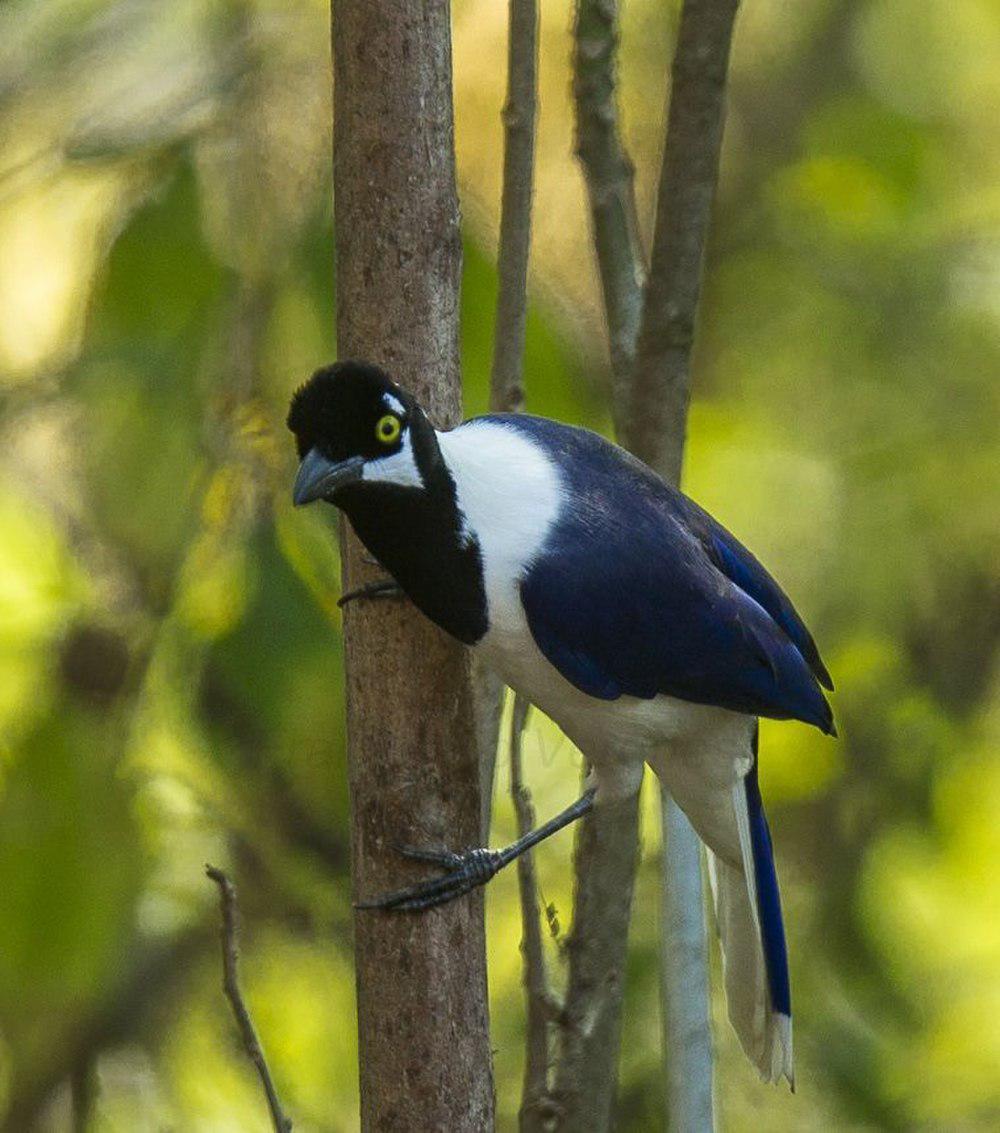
(464, 872)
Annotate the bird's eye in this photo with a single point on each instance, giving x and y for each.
(388, 429)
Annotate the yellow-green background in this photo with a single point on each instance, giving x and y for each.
(170, 660)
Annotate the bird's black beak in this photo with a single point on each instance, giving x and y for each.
(319, 478)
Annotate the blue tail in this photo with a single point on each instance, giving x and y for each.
(772, 928)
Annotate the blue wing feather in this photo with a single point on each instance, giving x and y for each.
(742, 568)
(639, 592)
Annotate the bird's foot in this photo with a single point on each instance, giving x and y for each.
(379, 588)
(463, 873)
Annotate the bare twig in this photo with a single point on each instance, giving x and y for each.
(229, 935)
(609, 176)
(506, 386)
(662, 383)
(534, 1097)
(507, 374)
(507, 396)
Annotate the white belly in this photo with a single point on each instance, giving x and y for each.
(616, 736)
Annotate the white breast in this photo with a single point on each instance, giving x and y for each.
(509, 493)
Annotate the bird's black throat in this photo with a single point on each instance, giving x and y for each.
(417, 535)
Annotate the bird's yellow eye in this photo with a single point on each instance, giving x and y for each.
(388, 428)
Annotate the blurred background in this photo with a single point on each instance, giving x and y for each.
(170, 659)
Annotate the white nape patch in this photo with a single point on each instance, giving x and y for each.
(393, 403)
(398, 467)
(509, 494)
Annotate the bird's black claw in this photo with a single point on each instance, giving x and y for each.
(465, 872)
(380, 588)
(446, 859)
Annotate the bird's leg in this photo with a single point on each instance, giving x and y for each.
(377, 588)
(465, 872)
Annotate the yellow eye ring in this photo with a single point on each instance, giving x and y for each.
(388, 429)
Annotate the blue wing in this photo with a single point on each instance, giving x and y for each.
(743, 569)
(639, 592)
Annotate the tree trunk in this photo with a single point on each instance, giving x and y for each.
(414, 778)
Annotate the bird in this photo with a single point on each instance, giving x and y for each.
(609, 600)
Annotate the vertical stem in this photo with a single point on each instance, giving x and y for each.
(507, 374)
(687, 1035)
(507, 396)
(519, 113)
(412, 754)
(605, 861)
(662, 381)
(610, 180)
(534, 1095)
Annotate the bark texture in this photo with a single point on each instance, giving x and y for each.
(610, 180)
(662, 382)
(413, 760)
(519, 113)
(586, 1075)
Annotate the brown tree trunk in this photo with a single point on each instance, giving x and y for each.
(414, 777)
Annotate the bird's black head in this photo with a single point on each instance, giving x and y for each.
(354, 426)
(366, 446)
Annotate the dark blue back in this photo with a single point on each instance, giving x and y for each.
(639, 592)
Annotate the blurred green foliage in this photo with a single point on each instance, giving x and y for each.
(170, 660)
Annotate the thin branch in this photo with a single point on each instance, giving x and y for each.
(507, 374)
(229, 936)
(519, 114)
(662, 384)
(605, 861)
(507, 396)
(534, 1096)
(609, 176)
